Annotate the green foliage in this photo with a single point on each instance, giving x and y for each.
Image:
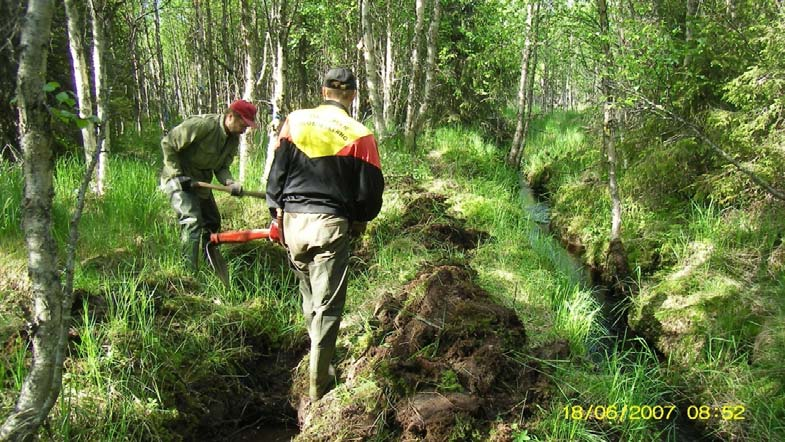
(709, 267)
(65, 104)
(10, 199)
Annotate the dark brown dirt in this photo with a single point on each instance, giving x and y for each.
(227, 407)
(429, 217)
(444, 361)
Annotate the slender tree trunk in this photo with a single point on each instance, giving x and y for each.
(517, 140)
(212, 88)
(183, 107)
(616, 255)
(163, 107)
(530, 83)
(43, 382)
(81, 76)
(278, 32)
(371, 68)
(97, 13)
(430, 69)
(137, 72)
(689, 30)
(414, 81)
(199, 62)
(247, 29)
(389, 67)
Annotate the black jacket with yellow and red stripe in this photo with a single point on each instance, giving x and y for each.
(326, 162)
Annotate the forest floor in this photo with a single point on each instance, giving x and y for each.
(465, 320)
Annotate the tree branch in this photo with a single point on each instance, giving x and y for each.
(705, 138)
(73, 233)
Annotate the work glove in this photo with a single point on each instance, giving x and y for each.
(236, 189)
(180, 182)
(275, 232)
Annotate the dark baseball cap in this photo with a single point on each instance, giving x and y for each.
(246, 111)
(340, 78)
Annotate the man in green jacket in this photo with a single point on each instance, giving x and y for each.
(195, 150)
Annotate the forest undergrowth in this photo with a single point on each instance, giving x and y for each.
(706, 247)
(465, 319)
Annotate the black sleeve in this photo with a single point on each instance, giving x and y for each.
(276, 180)
(370, 186)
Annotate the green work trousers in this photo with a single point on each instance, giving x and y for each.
(198, 217)
(319, 250)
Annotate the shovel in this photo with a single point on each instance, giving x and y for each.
(217, 262)
(236, 236)
(273, 233)
(227, 189)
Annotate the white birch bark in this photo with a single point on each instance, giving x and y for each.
(371, 69)
(163, 107)
(278, 32)
(44, 380)
(81, 76)
(430, 67)
(411, 102)
(97, 8)
(388, 76)
(616, 254)
(247, 22)
(517, 139)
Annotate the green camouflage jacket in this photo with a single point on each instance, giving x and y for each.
(199, 147)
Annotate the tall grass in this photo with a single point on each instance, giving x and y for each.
(10, 199)
(144, 323)
(146, 326)
(527, 269)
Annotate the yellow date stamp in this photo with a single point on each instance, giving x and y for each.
(620, 413)
(625, 412)
(734, 412)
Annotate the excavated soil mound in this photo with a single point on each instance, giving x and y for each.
(445, 362)
(428, 216)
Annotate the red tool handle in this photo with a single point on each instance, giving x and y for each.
(236, 236)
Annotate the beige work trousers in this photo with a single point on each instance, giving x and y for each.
(319, 250)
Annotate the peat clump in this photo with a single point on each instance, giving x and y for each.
(444, 360)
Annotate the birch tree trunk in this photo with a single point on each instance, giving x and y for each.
(212, 89)
(430, 69)
(371, 69)
(247, 28)
(200, 66)
(513, 158)
(81, 76)
(44, 380)
(97, 11)
(411, 102)
(616, 255)
(530, 83)
(279, 35)
(163, 107)
(388, 76)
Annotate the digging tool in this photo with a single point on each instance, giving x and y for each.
(217, 262)
(227, 189)
(272, 233)
(214, 256)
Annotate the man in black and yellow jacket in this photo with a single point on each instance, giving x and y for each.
(327, 182)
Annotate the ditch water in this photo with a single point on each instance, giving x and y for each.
(613, 314)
